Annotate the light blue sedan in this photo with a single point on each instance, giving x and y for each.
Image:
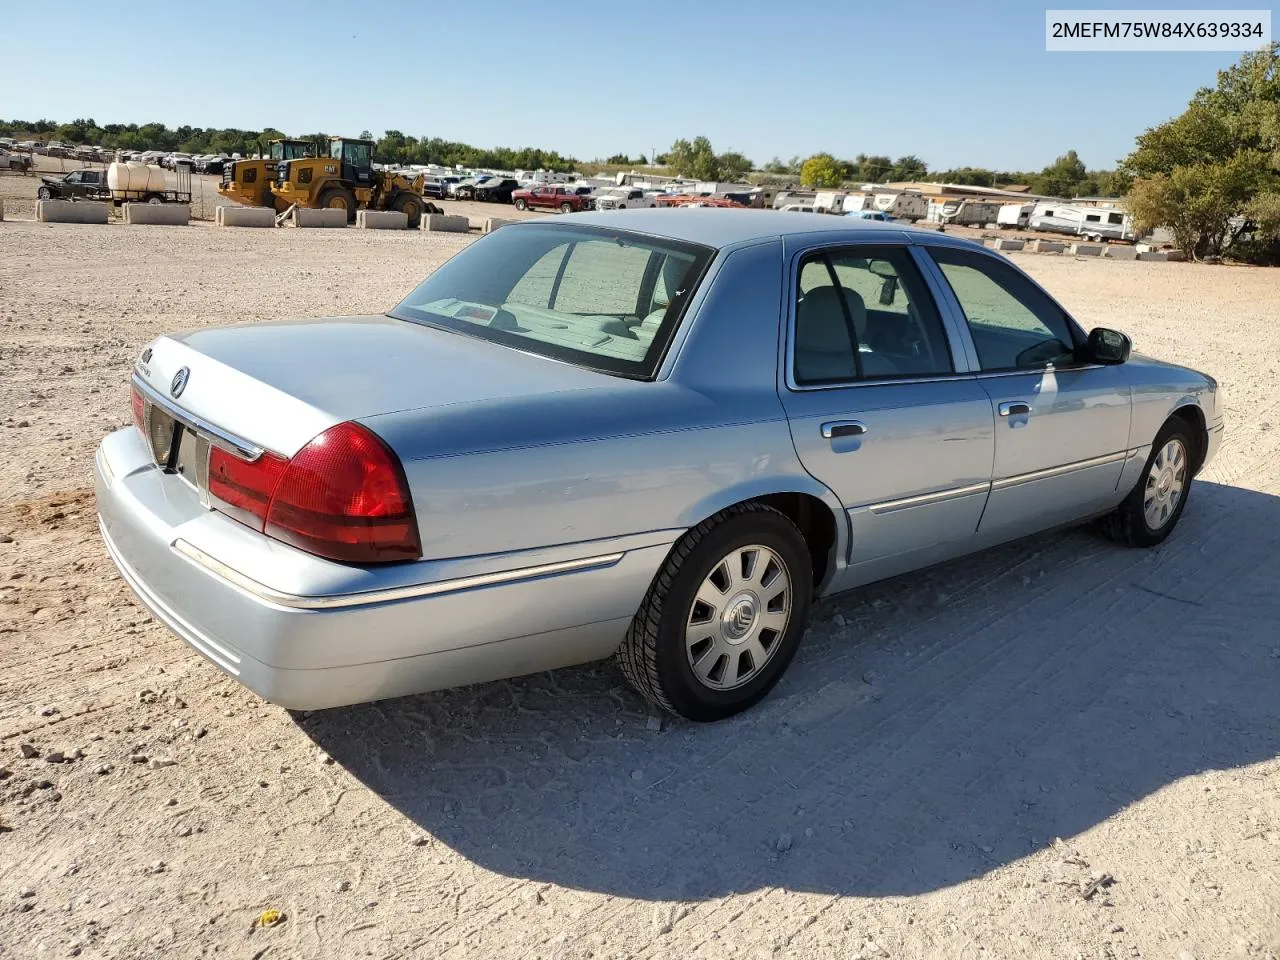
(659, 434)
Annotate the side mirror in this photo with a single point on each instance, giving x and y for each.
(1107, 346)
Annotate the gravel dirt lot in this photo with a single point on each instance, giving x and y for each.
(1059, 749)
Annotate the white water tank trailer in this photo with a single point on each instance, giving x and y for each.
(135, 181)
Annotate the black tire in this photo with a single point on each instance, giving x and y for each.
(566, 207)
(410, 206)
(521, 204)
(653, 656)
(431, 208)
(154, 198)
(1128, 524)
(335, 197)
(44, 193)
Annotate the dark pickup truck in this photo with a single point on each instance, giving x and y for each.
(564, 199)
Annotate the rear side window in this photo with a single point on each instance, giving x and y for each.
(1014, 325)
(864, 313)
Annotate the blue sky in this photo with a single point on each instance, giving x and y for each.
(955, 83)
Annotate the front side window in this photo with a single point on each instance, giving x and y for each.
(604, 299)
(1014, 325)
(864, 313)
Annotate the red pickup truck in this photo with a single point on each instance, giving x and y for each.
(563, 198)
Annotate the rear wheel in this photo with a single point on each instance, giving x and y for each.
(1152, 509)
(410, 206)
(338, 198)
(723, 617)
(155, 198)
(521, 204)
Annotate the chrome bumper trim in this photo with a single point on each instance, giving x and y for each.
(261, 591)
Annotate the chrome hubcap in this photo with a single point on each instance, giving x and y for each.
(738, 617)
(1166, 479)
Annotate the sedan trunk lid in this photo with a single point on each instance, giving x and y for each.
(280, 384)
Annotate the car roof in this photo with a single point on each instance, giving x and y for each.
(721, 227)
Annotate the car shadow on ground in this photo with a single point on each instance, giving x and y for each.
(932, 728)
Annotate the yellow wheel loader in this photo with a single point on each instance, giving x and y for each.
(249, 181)
(346, 180)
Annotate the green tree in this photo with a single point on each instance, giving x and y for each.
(909, 167)
(1209, 174)
(733, 166)
(1061, 177)
(821, 170)
(968, 176)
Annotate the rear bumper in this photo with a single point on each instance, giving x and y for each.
(293, 634)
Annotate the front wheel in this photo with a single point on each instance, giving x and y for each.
(338, 198)
(44, 193)
(723, 617)
(521, 204)
(1152, 509)
(566, 207)
(411, 207)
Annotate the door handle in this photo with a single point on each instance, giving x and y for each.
(834, 429)
(1015, 408)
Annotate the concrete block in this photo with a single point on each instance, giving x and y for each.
(493, 223)
(1047, 246)
(1175, 256)
(1085, 249)
(1, 210)
(1003, 244)
(381, 220)
(165, 214)
(1117, 251)
(304, 217)
(237, 216)
(1156, 256)
(447, 223)
(71, 211)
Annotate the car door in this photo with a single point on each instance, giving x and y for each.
(1062, 426)
(71, 186)
(882, 408)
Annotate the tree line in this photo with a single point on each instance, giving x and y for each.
(1067, 176)
(392, 147)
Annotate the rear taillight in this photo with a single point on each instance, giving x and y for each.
(342, 496)
(243, 489)
(139, 408)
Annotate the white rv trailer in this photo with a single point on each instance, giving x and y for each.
(905, 205)
(1094, 223)
(1013, 216)
(964, 213)
(828, 202)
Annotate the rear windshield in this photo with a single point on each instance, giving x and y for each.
(604, 299)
